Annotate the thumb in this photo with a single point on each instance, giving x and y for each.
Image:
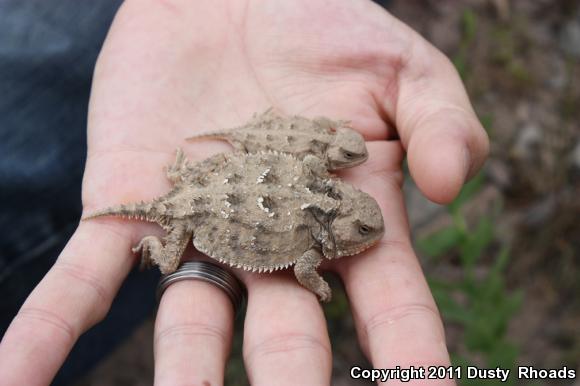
(445, 142)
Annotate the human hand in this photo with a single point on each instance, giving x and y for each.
(169, 68)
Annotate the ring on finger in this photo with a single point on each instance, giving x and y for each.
(210, 273)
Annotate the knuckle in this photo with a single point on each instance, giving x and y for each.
(422, 60)
(285, 344)
(100, 297)
(459, 118)
(41, 319)
(399, 314)
(181, 332)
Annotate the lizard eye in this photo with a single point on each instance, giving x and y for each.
(364, 230)
(348, 154)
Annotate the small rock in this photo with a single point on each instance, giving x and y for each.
(558, 78)
(498, 172)
(539, 213)
(527, 142)
(502, 8)
(523, 111)
(569, 39)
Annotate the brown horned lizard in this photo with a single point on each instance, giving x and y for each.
(260, 212)
(332, 141)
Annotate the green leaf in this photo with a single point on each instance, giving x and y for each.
(468, 191)
(468, 30)
(440, 242)
(449, 308)
(503, 354)
(460, 65)
(487, 122)
(469, 26)
(501, 261)
(514, 302)
(476, 243)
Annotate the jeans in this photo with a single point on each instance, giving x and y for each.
(48, 49)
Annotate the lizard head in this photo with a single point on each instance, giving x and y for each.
(348, 149)
(358, 223)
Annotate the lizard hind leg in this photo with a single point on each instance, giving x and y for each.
(165, 255)
(305, 272)
(151, 249)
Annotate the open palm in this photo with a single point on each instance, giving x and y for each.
(170, 68)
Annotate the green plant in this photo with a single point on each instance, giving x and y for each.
(508, 53)
(468, 31)
(479, 303)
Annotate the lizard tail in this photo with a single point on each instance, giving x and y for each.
(228, 134)
(149, 211)
(221, 135)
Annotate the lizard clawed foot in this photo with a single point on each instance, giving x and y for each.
(151, 250)
(323, 291)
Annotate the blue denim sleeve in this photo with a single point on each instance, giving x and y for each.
(48, 49)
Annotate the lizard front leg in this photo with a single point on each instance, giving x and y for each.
(316, 166)
(305, 271)
(166, 255)
(178, 171)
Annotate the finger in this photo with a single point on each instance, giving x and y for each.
(445, 141)
(285, 337)
(74, 295)
(396, 318)
(193, 334)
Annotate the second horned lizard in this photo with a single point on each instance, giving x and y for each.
(332, 141)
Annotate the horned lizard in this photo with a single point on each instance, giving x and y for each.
(332, 141)
(260, 212)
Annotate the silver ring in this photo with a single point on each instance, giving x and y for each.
(210, 273)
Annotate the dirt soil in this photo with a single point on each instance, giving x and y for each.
(521, 65)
